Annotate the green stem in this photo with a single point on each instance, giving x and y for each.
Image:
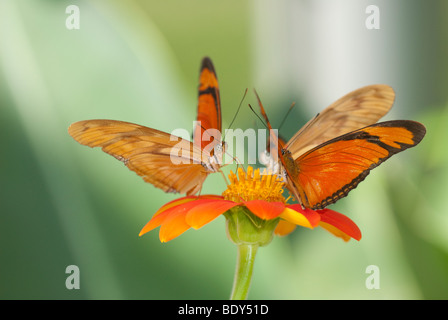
(243, 271)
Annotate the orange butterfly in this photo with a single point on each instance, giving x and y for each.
(336, 150)
(168, 162)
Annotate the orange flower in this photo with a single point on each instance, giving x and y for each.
(258, 194)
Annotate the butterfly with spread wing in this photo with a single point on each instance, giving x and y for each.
(338, 148)
(168, 162)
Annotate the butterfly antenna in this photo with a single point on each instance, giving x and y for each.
(259, 118)
(237, 111)
(286, 115)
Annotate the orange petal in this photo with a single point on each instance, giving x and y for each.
(156, 221)
(300, 216)
(173, 226)
(181, 205)
(207, 211)
(182, 200)
(335, 231)
(174, 223)
(264, 209)
(284, 228)
(339, 224)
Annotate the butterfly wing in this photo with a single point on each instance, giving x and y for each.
(355, 110)
(209, 108)
(331, 170)
(168, 162)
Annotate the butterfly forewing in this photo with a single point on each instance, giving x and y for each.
(169, 163)
(209, 107)
(329, 171)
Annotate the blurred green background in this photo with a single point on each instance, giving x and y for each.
(65, 204)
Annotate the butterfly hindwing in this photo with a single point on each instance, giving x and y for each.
(331, 170)
(355, 110)
(151, 153)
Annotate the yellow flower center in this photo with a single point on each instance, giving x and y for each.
(254, 186)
